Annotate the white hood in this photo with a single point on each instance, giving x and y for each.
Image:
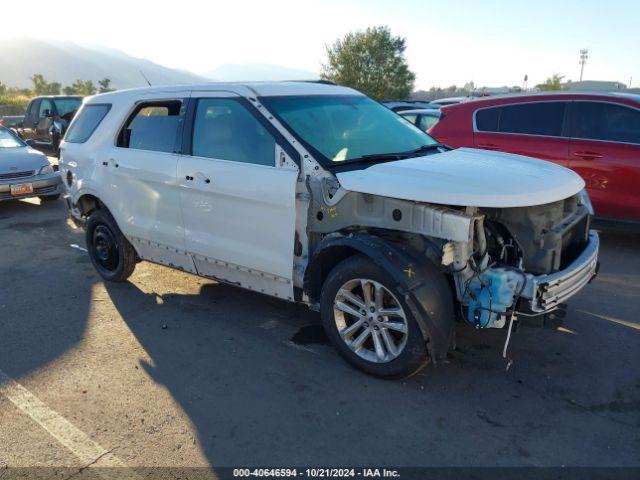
(467, 177)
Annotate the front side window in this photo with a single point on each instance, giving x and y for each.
(345, 128)
(411, 117)
(605, 121)
(45, 109)
(85, 123)
(427, 121)
(224, 129)
(152, 126)
(66, 106)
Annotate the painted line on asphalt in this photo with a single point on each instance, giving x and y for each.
(88, 452)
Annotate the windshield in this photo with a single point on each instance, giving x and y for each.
(347, 127)
(9, 140)
(66, 105)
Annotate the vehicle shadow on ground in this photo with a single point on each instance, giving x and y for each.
(261, 387)
(261, 391)
(42, 315)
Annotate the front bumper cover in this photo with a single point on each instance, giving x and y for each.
(50, 184)
(546, 292)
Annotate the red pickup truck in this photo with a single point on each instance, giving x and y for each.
(595, 134)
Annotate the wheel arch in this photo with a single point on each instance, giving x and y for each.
(85, 200)
(424, 287)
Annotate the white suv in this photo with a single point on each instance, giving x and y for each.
(317, 194)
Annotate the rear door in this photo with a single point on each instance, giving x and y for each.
(237, 191)
(605, 151)
(534, 129)
(30, 120)
(144, 193)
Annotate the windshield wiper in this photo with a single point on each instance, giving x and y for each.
(395, 155)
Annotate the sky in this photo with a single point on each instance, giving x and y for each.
(492, 43)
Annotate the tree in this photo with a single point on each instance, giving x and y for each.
(3, 88)
(372, 62)
(42, 87)
(83, 87)
(105, 85)
(551, 83)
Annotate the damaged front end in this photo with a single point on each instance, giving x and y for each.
(504, 262)
(525, 261)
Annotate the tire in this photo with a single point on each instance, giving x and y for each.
(410, 353)
(50, 198)
(110, 252)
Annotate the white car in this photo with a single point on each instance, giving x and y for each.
(423, 118)
(315, 193)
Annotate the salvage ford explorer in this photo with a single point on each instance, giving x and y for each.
(317, 194)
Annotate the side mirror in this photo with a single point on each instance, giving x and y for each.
(46, 113)
(30, 142)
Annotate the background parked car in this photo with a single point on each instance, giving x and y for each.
(597, 135)
(423, 118)
(441, 102)
(11, 121)
(46, 121)
(406, 105)
(25, 172)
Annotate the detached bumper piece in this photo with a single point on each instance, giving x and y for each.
(548, 292)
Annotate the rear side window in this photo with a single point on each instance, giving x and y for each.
(487, 119)
(224, 129)
(152, 126)
(85, 123)
(605, 121)
(535, 118)
(543, 118)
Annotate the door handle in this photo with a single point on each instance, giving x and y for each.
(201, 175)
(587, 155)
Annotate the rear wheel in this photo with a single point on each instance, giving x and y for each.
(368, 321)
(110, 252)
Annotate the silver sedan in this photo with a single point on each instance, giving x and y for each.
(25, 172)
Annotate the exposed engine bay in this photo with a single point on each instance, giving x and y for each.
(512, 244)
(499, 258)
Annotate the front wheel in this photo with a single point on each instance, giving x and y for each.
(368, 322)
(110, 252)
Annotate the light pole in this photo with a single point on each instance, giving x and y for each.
(584, 54)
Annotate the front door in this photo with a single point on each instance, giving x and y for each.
(44, 121)
(238, 203)
(605, 151)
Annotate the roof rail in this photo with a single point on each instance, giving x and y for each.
(323, 82)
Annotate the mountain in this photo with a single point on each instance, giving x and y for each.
(235, 72)
(66, 62)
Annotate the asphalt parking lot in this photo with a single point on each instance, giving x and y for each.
(170, 369)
